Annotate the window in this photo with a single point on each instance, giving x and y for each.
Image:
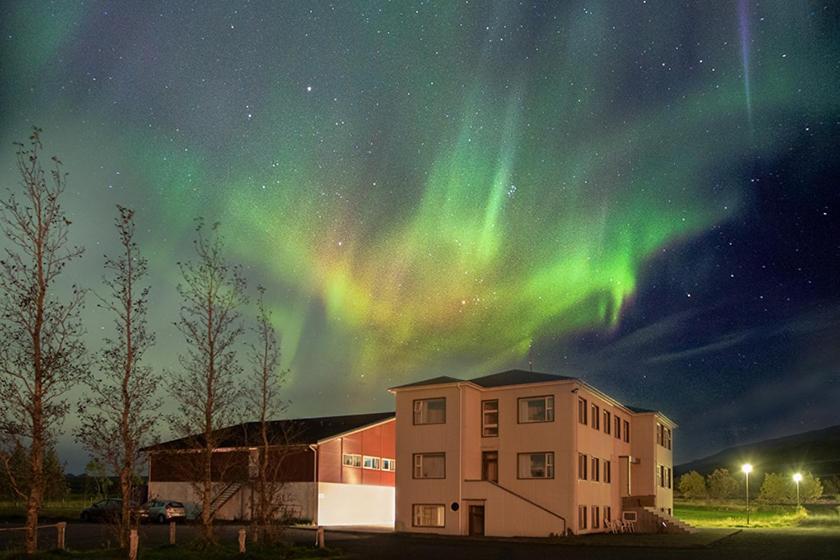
(607, 472)
(429, 515)
(371, 463)
(596, 517)
(582, 464)
(536, 409)
(659, 438)
(582, 411)
(607, 515)
(627, 431)
(668, 473)
(430, 411)
(660, 476)
(536, 465)
(617, 431)
(596, 469)
(389, 464)
(607, 421)
(581, 517)
(667, 434)
(596, 417)
(489, 418)
(351, 460)
(429, 465)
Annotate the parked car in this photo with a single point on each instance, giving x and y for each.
(103, 510)
(163, 511)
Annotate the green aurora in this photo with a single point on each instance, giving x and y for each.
(422, 187)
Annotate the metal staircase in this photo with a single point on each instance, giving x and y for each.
(224, 496)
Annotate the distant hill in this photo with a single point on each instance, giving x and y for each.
(817, 451)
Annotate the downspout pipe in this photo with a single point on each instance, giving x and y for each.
(314, 448)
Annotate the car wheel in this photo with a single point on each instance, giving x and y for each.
(161, 519)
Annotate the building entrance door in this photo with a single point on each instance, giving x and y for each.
(490, 466)
(477, 521)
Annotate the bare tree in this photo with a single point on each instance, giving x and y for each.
(207, 388)
(42, 354)
(264, 396)
(118, 412)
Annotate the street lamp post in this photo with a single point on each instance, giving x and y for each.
(747, 469)
(797, 478)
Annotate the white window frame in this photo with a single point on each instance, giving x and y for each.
(388, 464)
(355, 460)
(548, 407)
(371, 463)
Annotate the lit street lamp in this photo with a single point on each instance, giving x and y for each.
(797, 478)
(746, 468)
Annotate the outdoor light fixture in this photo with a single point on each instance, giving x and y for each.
(746, 468)
(797, 478)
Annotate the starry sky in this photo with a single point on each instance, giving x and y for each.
(640, 193)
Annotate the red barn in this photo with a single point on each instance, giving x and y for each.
(336, 470)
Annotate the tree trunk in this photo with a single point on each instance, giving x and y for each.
(125, 513)
(207, 498)
(36, 491)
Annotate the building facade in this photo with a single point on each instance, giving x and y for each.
(527, 454)
(328, 467)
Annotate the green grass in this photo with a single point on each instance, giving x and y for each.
(65, 510)
(733, 514)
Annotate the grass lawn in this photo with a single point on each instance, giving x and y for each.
(733, 514)
(65, 510)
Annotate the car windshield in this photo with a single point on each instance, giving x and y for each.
(176, 504)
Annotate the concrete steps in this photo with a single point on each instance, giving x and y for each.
(672, 523)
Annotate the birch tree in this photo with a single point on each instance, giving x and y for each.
(264, 396)
(207, 387)
(120, 410)
(42, 354)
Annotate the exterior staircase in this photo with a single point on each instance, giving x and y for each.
(663, 521)
(224, 496)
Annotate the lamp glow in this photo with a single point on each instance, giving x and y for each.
(797, 478)
(746, 468)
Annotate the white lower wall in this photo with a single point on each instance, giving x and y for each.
(299, 498)
(355, 504)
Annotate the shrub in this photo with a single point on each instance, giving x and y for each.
(722, 485)
(692, 485)
(781, 489)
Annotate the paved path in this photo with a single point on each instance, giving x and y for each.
(764, 544)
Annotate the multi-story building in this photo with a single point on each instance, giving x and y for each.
(520, 453)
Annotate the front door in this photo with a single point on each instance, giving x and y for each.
(490, 466)
(477, 521)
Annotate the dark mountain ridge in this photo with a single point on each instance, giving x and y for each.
(817, 451)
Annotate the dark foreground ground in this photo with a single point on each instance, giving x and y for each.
(764, 544)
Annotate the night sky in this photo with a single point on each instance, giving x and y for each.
(643, 194)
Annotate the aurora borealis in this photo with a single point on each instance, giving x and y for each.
(430, 188)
